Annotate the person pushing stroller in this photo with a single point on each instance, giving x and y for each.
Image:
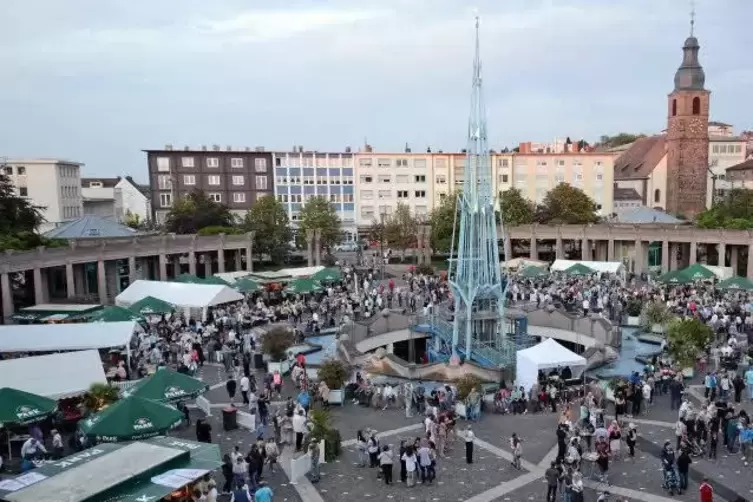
(671, 480)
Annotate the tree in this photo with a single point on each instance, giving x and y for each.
(317, 212)
(620, 139)
(566, 204)
(735, 211)
(276, 342)
(686, 338)
(400, 229)
(132, 220)
(195, 211)
(269, 220)
(442, 220)
(515, 209)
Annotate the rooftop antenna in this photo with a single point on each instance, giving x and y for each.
(692, 18)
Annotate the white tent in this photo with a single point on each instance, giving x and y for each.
(231, 277)
(73, 373)
(721, 273)
(548, 354)
(64, 337)
(517, 263)
(179, 294)
(604, 267)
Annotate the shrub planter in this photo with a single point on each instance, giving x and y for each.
(633, 321)
(658, 329)
(336, 396)
(282, 366)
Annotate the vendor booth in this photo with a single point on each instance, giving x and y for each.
(51, 312)
(546, 355)
(66, 337)
(56, 375)
(194, 299)
(518, 263)
(599, 267)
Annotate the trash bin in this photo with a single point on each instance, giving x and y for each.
(259, 361)
(230, 418)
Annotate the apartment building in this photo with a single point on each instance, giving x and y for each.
(725, 150)
(114, 198)
(52, 184)
(300, 175)
(234, 177)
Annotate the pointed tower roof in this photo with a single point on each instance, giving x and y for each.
(690, 75)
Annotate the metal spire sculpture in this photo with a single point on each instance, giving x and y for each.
(474, 273)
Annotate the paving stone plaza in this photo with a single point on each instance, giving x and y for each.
(491, 477)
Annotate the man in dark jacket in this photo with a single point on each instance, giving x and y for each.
(552, 476)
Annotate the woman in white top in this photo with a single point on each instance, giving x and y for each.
(409, 457)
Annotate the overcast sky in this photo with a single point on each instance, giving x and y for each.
(97, 81)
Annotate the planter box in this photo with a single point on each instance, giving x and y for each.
(282, 366)
(460, 410)
(336, 396)
(633, 321)
(688, 372)
(657, 328)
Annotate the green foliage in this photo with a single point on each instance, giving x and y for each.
(442, 219)
(321, 428)
(99, 396)
(400, 228)
(195, 211)
(333, 372)
(686, 338)
(735, 212)
(276, 342)
(18, 213)
(317, 212)
(466, 384)
(132, 220)
(269, 220)
(566, 204)
(617, 382)
(24, 241)
(634, 307)
(654, 313)
(620, 139)
(515, 209)
(425, 269)
(217, 230)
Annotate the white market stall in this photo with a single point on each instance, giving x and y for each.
(602, 267)
(545, 356)
(73, 373)
(721, 273)
(66, 337)
(185, 296)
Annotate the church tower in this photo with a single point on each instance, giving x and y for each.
(687, 134)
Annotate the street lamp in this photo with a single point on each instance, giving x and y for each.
(381, 243)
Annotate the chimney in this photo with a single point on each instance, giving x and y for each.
(187, 148)
(247, 149)
(428, 149)
(368, 149)
(259, 149)
(463, 151)
(229, 148)
(169, 148)
(347, 149)
(203, 148)
(300, 148)
(407, 148)
(216, 148)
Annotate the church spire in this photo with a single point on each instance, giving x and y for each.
(692, 18)
(690, 75)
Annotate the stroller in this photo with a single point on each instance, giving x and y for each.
(671, 481)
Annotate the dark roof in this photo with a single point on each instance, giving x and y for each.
(144, 189)
(719, 124)
(742, 166)
(690, 75)
(90, 227)
(638, 161)
(106, 182)
(640, 215)
(626, 194)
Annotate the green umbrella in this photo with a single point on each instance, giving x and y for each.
(675, 277)
(213, 279)
(698, 272)
(302, 287)
(246, 285)
(331, 274)
(579, 269)
(21, 408)
(167, 385)
(152, 305)
(112, 313)
(533, 271)
(736, 282)
(131, 419)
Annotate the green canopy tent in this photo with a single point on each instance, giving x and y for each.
(167, 386)
(302, 287)
(152, 305)
(533, 271)
(131, 419)
(112, 313)
(579, 270)
(675, 277)
(246, 285)
(331, 274)
(213, 279)
(189, 279)
(698, 272)
(736, 282)
(20, 408)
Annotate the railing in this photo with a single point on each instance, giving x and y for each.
(125, 384)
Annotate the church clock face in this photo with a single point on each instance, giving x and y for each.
(696, 127)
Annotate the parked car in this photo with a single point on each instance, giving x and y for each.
(347, 247)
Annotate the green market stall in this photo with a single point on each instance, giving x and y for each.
(698, 272)
(112, 313)
(150, 305)
(302, 287)
(331, 274)
(18, 407)
(167, 386)
(44, 313)
(736, 283)
(131, 419)
(579, 270)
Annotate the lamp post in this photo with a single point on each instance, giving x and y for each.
(381, 243)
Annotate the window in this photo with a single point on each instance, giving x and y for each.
(347, 180)
(560, 163)
(213, 180)
(164, 182)
(236, 162)
(421, 210)
(367, 212)
(98, 184)
(92, 232)
(186, 162)
(385, 178)
(163, 164)
(348, 197)
(8, 170)
(296, 198)
(722, 148)
(213, 162)
(402, 194)
(366, 178)
(599, 177)
(217, 197)
(505, 178)
(440, 179)
(674, 107)
(385, 194)
(503, 163)
(657, 195)
(21, 170)
(402, 178)
(23, 191)
(261, 182)
(696, 105)
(419, 163)
(559, 178)
(715, 149)
(189, 179)
(384, 163)
(367, 194)
(738, 149)
(420, 178)
(403, 163)
(165, 199)
(238, 180)
(260, 165)
(578, 177)
(365, 163)
(420, 194)
(385, 210)
(239, 197)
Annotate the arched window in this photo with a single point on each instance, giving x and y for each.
(696, 106)
(657, 195)
(674, 107)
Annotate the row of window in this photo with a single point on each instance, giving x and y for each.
(369, 212)
(166, 199)
(726, 148)
(387, 194)
(20, 170)
(71, 212)
(400, 178)
(68, 172)
(297, 198)
(367, 162)
(69, 192)
(313, 180)
(310, 162)
(559, 177)
(260, 163)
(164, 182)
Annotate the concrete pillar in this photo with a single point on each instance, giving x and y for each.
(38, 287)
(192, 262)
(318, 246)
(132, 269)
(238, 261)
(722, 255)
(7, 291)
(559, 249)
(534, 255)
(638, 256)
(673, 256)
(249, 252)
(70, 281)
(162, 267)
(693, 256)
(665, 256)
(734, 256)
(310, 246)
(102, 282)
(221, 260)
(610, 250)
(207, 265)
(585, 250)
(749, 272)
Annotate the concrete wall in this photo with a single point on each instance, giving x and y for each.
(596, 328)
